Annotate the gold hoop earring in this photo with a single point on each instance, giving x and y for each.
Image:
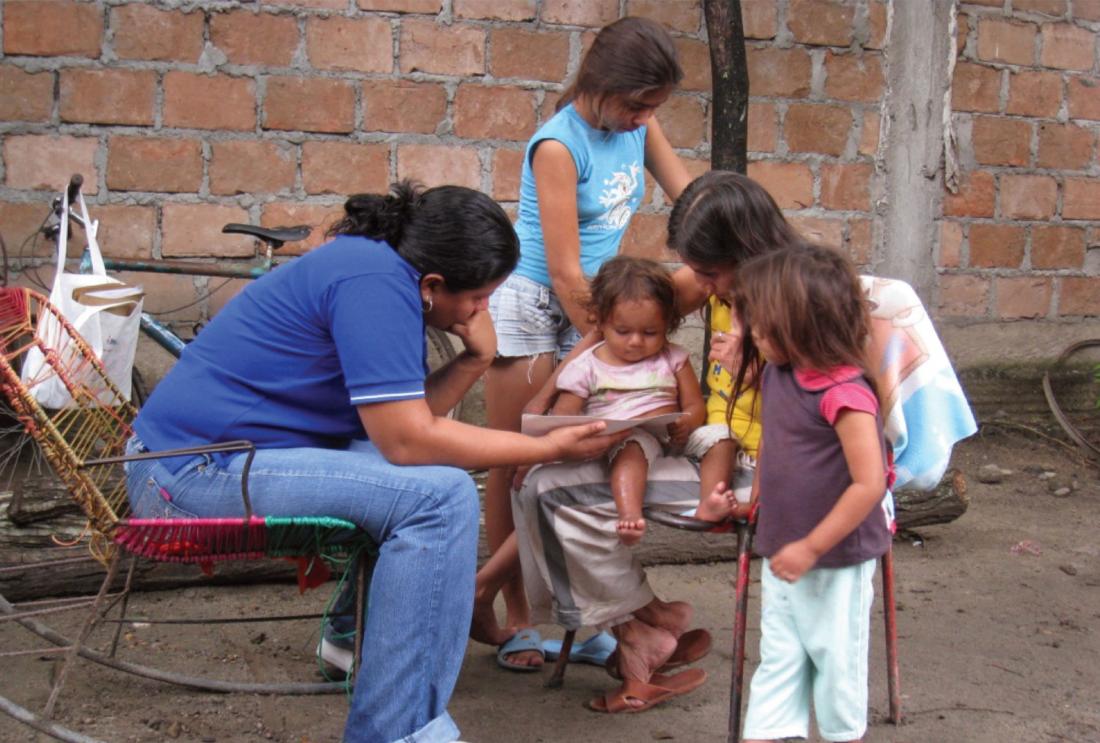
(426, 305)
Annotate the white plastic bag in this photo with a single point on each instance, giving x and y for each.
(105, 312)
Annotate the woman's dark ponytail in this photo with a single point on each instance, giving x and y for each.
(457, 232)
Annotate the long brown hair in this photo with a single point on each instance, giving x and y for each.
(808, 302)
(631, 57)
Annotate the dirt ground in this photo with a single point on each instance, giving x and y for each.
(999, 628)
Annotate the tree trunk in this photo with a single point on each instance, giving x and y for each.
(946, 502)
(730, 83)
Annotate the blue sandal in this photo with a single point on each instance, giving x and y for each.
(524, 640)
(595, 650)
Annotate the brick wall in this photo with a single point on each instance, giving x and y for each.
(1019, 239)
(182, 118)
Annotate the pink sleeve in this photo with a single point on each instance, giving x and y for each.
(575, 378)
(677, 356)
(847, 395)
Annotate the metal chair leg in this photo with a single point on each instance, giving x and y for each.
(740, 623)
(125, 603)
(893, 675)
(360, 615)
(558, 678)
(74, 649)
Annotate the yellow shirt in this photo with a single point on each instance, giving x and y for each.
(745, 425)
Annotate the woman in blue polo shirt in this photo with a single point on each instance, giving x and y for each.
(321, 364)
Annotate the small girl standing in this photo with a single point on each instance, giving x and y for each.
(821, 477)
(634, 373)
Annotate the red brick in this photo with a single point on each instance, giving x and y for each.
(507, 166)
(961, 295)
(846, 186)
(852, 77)
(1028, 196)
(962, 33)
(144, 32)
(436, 165)
(996, 246)
(1067, 47)
(998, 141)
(288, 213)
(811, 127)
(154, 164)
(1080, 295)
(1081, 199)
(818, 230)
(196, 229)
(820, 22)
(25, 96)
(790, 184)
(860, 241)
(126, 231)
(497, 10)
(1006, 41)
(976, 196)
(869, 133)
(225, 291)
(876, 25)
(494, 112)
(1034, 93)
(976, 87)
(40, 161)
(195, 101)
(108, 96)
(165, 292)
(1083, 99)
(431, 7)
(647, 237)
(784, 73)
(684, 121)
(759, 19)
(763, 127)
(1057, 247)
(1086, 11)
(19, 221)
(357, 44)
(52, 28)
(695, 61)
(248, 166)
(548, 107)
(309, 104)
(403, 106)
(427, 46)
(591, 13)
(951, 237)
(1022, 297)
(1044, 7)
(345, 168)
(248, 38)
(1065, 146)
(531, 55)
(685, 16)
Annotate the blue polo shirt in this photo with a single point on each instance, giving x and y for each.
(287, 361)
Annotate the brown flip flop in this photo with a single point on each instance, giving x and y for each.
(692, 645)
(659, 689)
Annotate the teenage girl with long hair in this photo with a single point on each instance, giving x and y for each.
(583, 178)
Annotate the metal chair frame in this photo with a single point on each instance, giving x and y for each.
(84, 443)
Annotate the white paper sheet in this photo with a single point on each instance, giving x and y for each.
(537, 425)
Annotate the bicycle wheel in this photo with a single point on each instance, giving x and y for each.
(440, 351)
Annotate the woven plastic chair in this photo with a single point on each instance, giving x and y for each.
(84, 443)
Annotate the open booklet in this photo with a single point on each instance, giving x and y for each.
(537, 425)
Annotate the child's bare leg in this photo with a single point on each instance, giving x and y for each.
(629, 473)
(716, 500)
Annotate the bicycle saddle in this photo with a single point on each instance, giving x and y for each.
(274, 236)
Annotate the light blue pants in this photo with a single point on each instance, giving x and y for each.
(425, 521)
(813, 644)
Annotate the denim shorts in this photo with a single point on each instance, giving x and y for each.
(529, 320)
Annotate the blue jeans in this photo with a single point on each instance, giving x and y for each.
(425, 521)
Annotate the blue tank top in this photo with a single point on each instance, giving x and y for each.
(610, 184)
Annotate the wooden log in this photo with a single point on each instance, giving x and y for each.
(946, 502)
(34, 542)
